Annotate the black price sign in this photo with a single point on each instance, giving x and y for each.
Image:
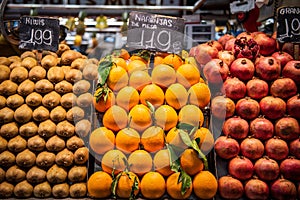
(155, 32)
(39, 33)
(288, 24)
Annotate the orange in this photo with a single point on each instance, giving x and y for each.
(140, 162)
(99, 185)
(199, 95)
(153, 185)
(205, 185)
(140, 118)
(166, 117)
(117, 78)
(127, 97)
(120, 62)
(125, 185)
(158, 60)
(122, 53)
(105, 100)
(174, 187)
(163, 75)
(173, 60)
(187, 75)
(137, 57)
(113, 161)
(127, 140)
(161, 162)
(173, 137)
(152, 93)
(206, 140)
(115, 118)
(135, 65)
(191, 60)
(176, 96)
(191, 114)
(190, 162)
(102, 140)
(153, 139)
(139, 79)
(201, 80)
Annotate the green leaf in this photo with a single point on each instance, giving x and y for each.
(150, 106)
(174, 158)
(186, 181)
(184, 126)
(201, 155)
(135, 186)
(114, 184)
(185, 137)
(103, 70)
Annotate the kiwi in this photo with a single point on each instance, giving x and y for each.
(55, 74)
(17, 144)
(26, 158)
(49, 61)
(42, 190)
(83, 127)
(9, 130)
(6, 115)
(4, 72)
(63, 87)
(84, 100)
(64, 158)
(61, 190)
(4, 61)
(14, 58)
(56, 174)
(74, 142)
(14, 101)
(47, 128)
(65, 129)
(2, 175)
(79, 63)
(40, 114)
(62, 48)
(28, 130)
(15, 64)
(36, 175)
(3, 144)
(26, 88)
(7, 158)
(77, 174)
(37, 73)
(81, 155)
(51, 100)
(90, 72)
(58, 114)
(66, 69)
(43, 86)
(26, 54)
(75, 114)
(34, 99)
(45, 159)
(36, 143)
(68, 56)
(8, 88)
(78, 190)
(73, 75)
(81, 87)
(6, 189)
(68, 100)
(23, 114)
(23, 189)
(18, 74)
(45, 53)
(29, 63)
(2, 101)
(15, 174)
(55, 144)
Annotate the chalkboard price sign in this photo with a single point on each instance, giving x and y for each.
(155, 32)
(39, 33)
(288, 24)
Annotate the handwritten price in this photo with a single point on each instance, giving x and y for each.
(40, 37)
(291, 28)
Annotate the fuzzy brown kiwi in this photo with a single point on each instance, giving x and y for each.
(74, 142)
(34, 99)
(44, 86)
(64, 158)
(6, 189)
(23, 189)
(26, 88)
(65, 129)
(6, 115)
(4, 72)
(2, 101)
(51, 100)
(36, 143)
(85, 100)
(18, 74)
(77, 174)
(73, 75)
(9, 130)
(25, 158)
(14, 58)
(14, 101)
(47, 128)
(90, 72)
(61, 190)
(8, 88)
(62, 48)
(26, 54)
(55, 144)
(42, 190)
(55, 74)
(15, 64)
(29, 63)
(63, 87)
(83, 127)
(56, 174)
(81, 87)
(81, 155)
(36, 175)
(58, 114)
(68, 100)
(15, 174)
(49, 61)
(68, 56)
(2, 174)
(40, 114)
(7, 158)
(75, 114)
(3, 144)
(45, 159)
(37, 73)
(28, 130)
(66, 69)
(78, 190)
(23, 114)
(4, 61)
(17, 144)
(79, 63)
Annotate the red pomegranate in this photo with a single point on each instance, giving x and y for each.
(215, 71)
(226, 147)
(234, 88)
(292, 70)
(261, 128)
(240, 167)
(287, 128)
(222, 107)
(236, 127)
(242, 68)
(276, 148)
(282, 57)
(252, 148)
(290, 169)
(267, 44)
(216, 44)
(293, 106)
(230, 188)
(204, 52)
(257, 88)
(245, 48)
(226, 56)
(295, 148)
(272, 107)
(283, 189)
(247, 108)
(268, 68)
(283, 88)
(229, 45)
(289, 48)
(266, 169)
(245, 34)
(224, 38)
(256, 189)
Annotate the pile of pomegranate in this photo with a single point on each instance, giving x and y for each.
(257, 94)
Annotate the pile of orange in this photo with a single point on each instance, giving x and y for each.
(147, 110)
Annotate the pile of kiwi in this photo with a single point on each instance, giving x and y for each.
(45, 99)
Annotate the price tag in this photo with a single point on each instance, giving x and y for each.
(39, 33)
(288, 24)
(155, 32)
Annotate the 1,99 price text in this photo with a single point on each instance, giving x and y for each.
(40, 37)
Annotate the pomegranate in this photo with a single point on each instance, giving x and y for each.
(290, 169)
(257, 88)
(236, 127)
(283, 189)
(282, 57)
(289, 48)
(252, 148)
(287, 128)
(266, 169)
(234, 88)
(295, 148)
(242, 68)
(224, 38)
(245, 48)
(245, 34)
(247, 108)
(229, 45)
(222, 107)
(216, 71)
(283, 88)
(204, 52)
(240, 167)
(216, 44)
(276, 148)
(261, 128)
(256, 189)
(230, 188)
(226, 56)
(267, 44)
(293, 106)
(292, 70)
(268, 68)
(272, 107)
(226, 147)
